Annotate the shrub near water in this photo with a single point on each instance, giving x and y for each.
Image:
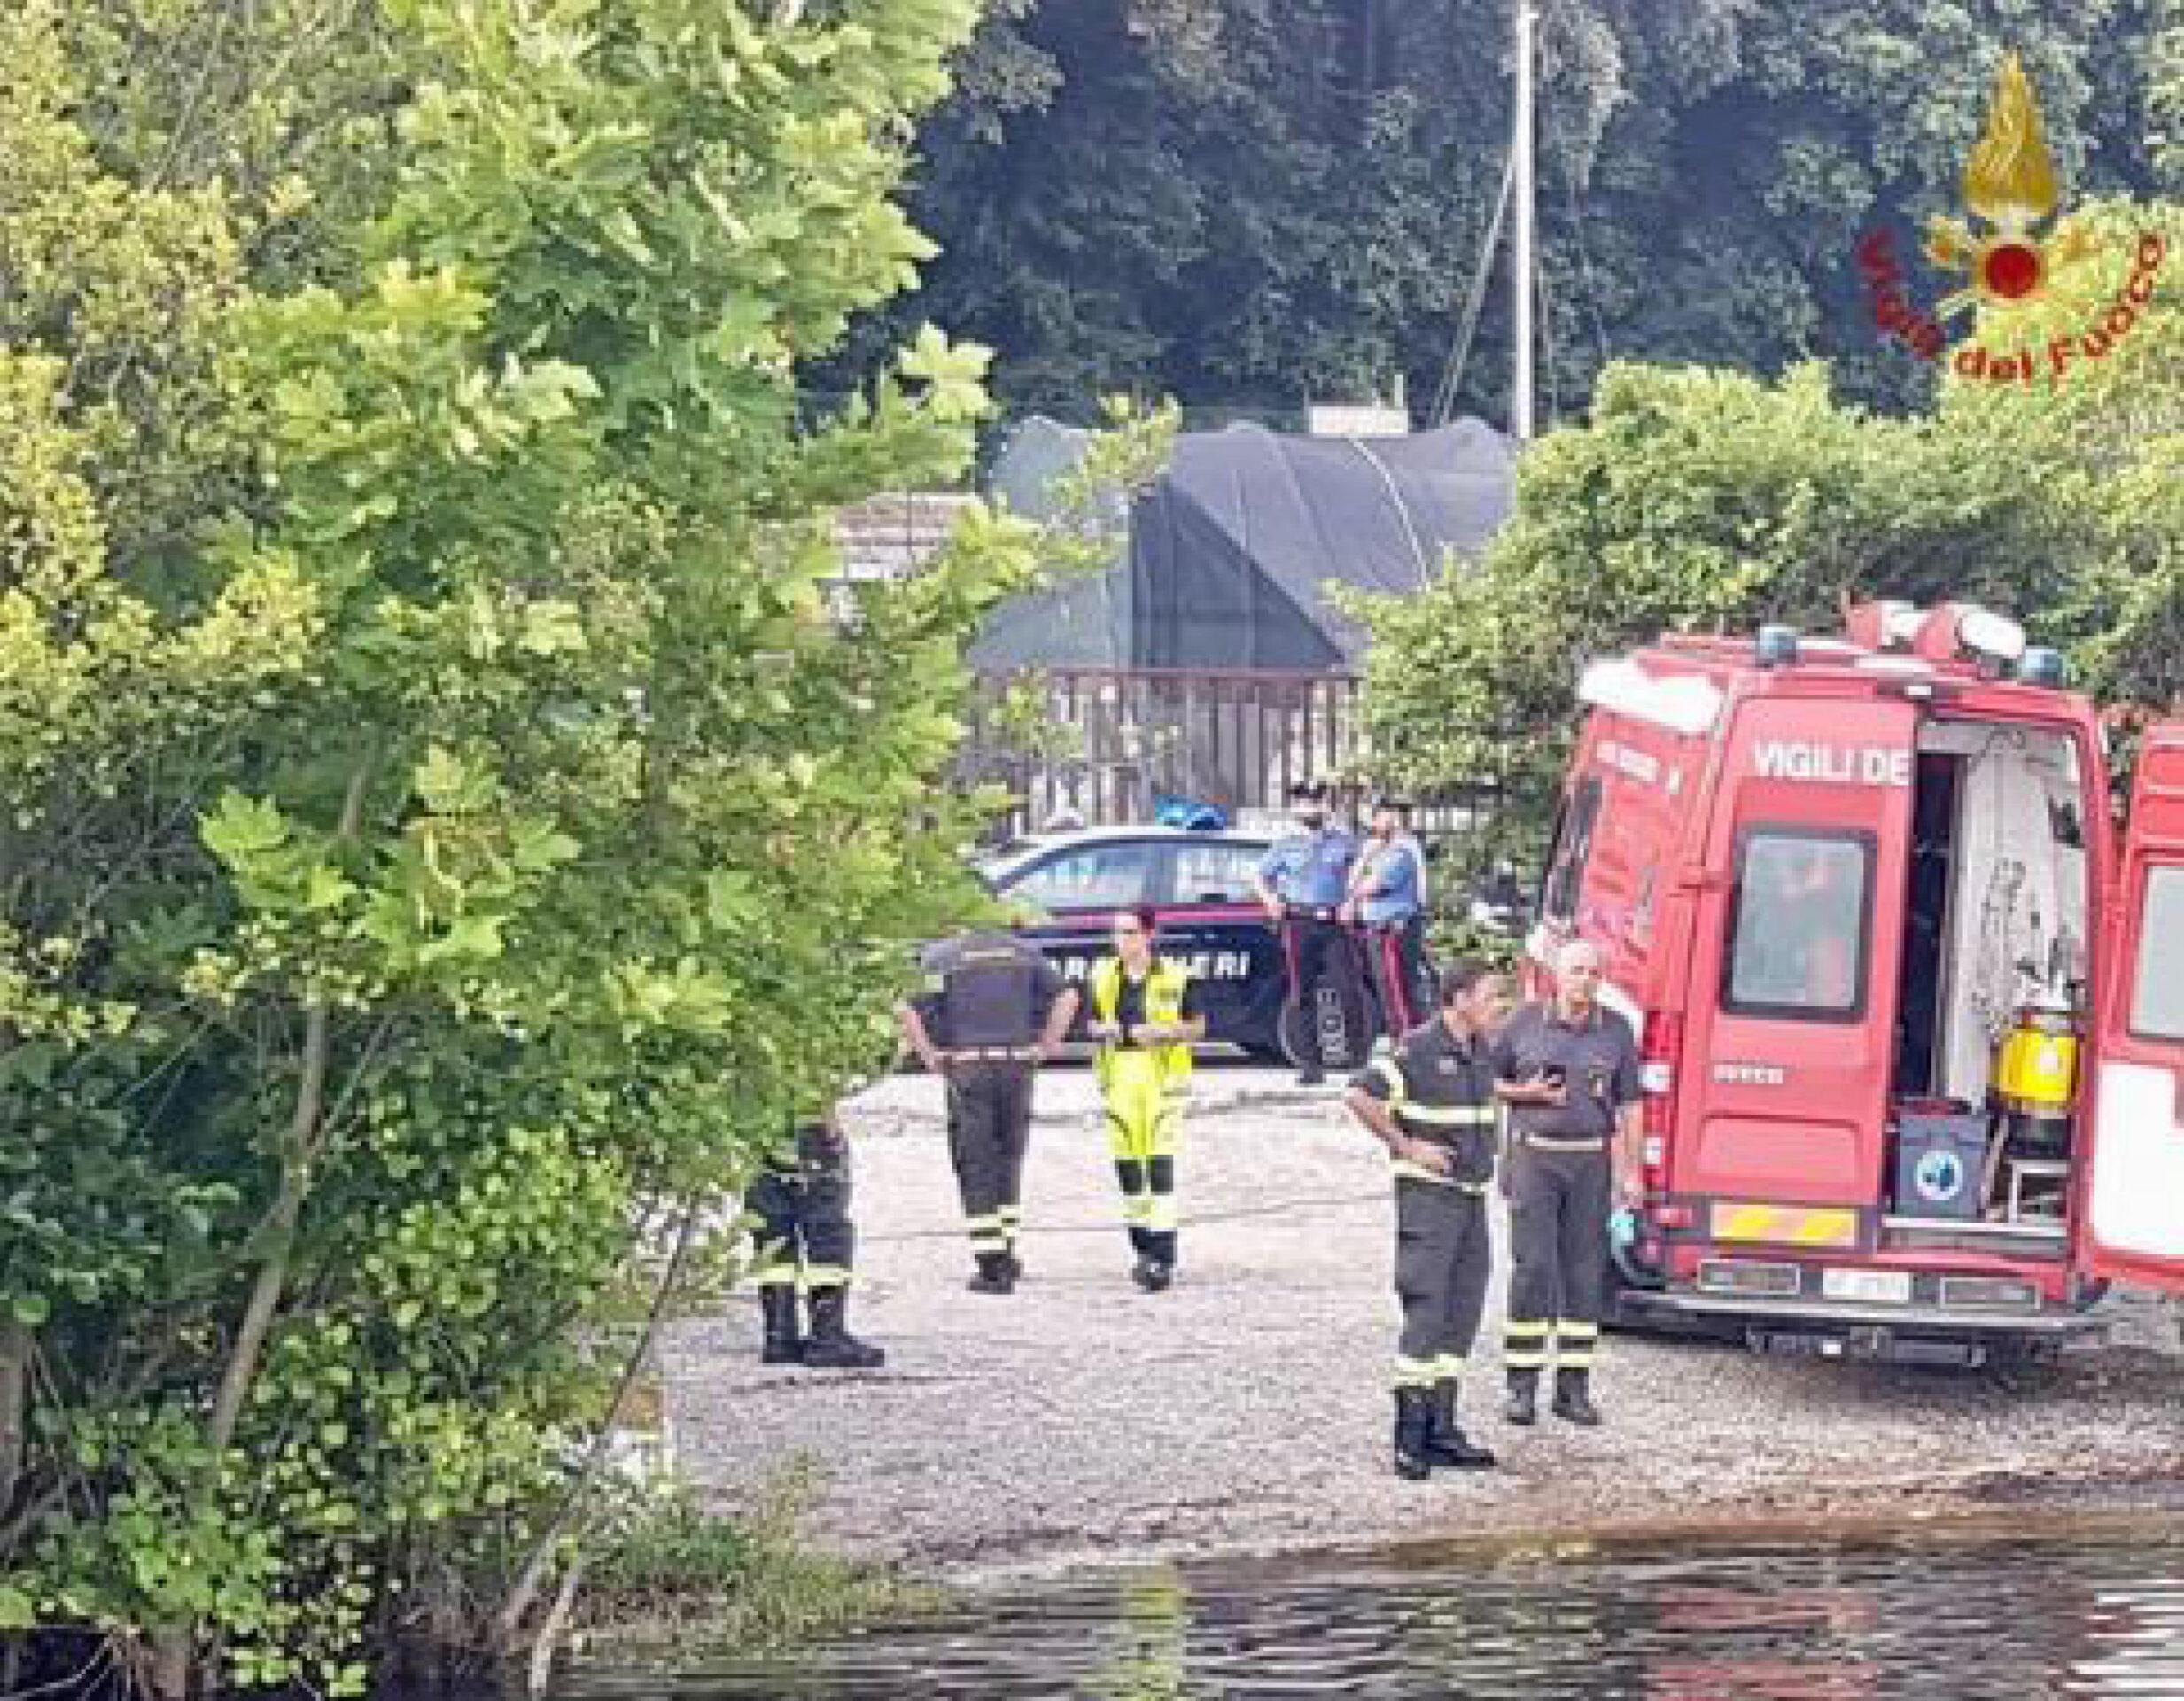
(437, 798)
(690, 1580)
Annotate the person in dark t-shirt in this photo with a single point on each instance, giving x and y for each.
(993, 1008)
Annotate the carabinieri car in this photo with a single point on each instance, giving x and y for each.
(1199, 882)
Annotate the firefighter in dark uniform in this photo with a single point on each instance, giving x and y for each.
(1569, 1069)
(1431, 1100)
(993, 1009)
(807, 1243)
(1303, 883)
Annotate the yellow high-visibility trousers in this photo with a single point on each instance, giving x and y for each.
(1145, 1118)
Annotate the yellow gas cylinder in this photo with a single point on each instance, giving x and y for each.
(2036, 1074)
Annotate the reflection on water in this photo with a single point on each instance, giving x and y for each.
(2018, 1617)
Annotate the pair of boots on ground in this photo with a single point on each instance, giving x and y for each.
(829, 1347)
(1427, 1434)
(998, 1272)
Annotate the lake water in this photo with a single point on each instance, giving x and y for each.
(1990, 1614)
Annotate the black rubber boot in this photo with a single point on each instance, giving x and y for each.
(996, 1274)
(784, 1343)
(1522, 1407)
(832, 1347)
(1414, 1423)
(1573, 1403)
(1153, 1274)
(1447, 1444)
(1156, 1266)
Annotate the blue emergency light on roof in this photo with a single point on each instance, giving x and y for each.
(1776, 646)
(1188, 812)
(2039, 665)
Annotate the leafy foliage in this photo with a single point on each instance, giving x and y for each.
(448, 837)
(1698, 499)
(1246, 203)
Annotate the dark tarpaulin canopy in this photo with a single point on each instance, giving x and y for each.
(1082, 621)
(1231, 547)
(1229, 552)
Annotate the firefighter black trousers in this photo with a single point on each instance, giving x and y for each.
(1559, 1208)
(1322, 954)
(989, 1132)
(1444, 1255)
(806, 1237)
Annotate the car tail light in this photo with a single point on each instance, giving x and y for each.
(1658, 1047)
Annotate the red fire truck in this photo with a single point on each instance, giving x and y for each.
(1910, 998)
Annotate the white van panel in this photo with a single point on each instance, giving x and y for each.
(2139, 1175)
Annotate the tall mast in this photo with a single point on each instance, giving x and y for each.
(1520, 260)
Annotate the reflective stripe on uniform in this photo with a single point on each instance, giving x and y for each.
(1524, 1343)
(1416, 1372)
(1575, 1344)
(1404, 1170)
(1450, 1115)
(988, 1234)
(1448, 1367)
(819, 1276)
(1389, 1074)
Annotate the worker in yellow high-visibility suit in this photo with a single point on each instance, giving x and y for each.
(1145, 1013)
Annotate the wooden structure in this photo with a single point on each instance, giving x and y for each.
(1105, 742)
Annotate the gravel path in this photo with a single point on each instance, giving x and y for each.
(1247, 1409)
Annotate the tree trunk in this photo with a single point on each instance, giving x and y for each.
(15, 1345)
(524, 1593)
(174, 1649)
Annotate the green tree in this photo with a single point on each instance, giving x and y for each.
(447, 838)
(1698, 499)
(1236, 202)
(2106, 419)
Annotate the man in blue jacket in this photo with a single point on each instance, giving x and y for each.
(1303, 883)
(1388, 899)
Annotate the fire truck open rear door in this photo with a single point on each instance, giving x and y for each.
(2134, 1223)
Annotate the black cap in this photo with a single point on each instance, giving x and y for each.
(1304, 792)
(1401, 806)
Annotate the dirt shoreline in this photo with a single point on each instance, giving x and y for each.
(1990, 1506)
(1080, 1423)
